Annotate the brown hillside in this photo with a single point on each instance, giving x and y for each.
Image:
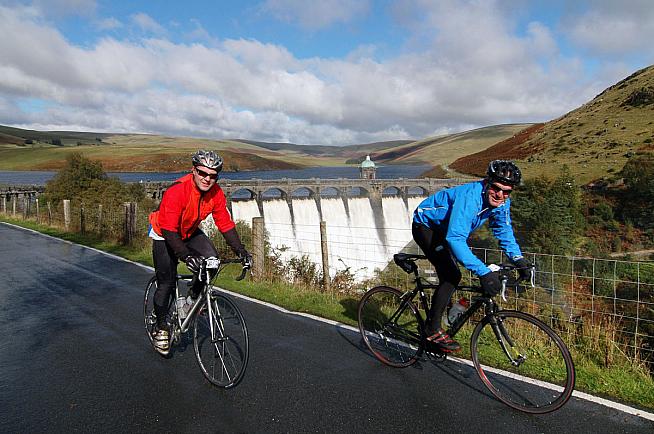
(512, 148)
(594, 140)
(177, 162)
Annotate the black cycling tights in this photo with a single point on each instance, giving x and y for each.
(165, 266)
(436, 249)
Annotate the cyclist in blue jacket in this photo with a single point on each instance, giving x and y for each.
(441, 226)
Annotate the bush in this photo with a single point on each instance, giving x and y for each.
(84, 181)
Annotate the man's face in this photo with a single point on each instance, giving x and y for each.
(498, 193)
(204, 177)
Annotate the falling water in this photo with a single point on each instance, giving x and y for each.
(356, 239)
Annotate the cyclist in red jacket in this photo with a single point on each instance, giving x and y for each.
(176, 234)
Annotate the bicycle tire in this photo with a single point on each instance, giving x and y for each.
(149, 317)
(397, 344)
(224, 361)
(543, 378)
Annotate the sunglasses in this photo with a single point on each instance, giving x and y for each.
(203, 174)
(497, 189)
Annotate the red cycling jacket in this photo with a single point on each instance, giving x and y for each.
(184, 206)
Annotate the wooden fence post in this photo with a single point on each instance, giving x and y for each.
(326, 281)
(82, 220)
(25, 207)
(66, 213)
(258, 252)
(13, 205)
(99, 228)
(130, 222)
(49, 214)
(38, 213)
(4, 204)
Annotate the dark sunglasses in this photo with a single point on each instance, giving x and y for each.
(204, 174)
(497, 188)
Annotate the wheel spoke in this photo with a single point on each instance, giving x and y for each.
(390, 327)
(523, 362)
(221, 345)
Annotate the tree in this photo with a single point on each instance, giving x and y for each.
(638, 176)
(84, 180)
(548, 214)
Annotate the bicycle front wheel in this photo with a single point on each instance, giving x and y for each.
(391, 327)
(523, 362)
(148, 307)
(220, 338)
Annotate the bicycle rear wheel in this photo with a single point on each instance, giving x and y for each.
(391, 328)
(220, 338)
(148, 307)
(523, 362)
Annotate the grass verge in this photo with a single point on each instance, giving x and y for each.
(623, 380)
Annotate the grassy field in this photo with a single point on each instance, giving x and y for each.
(623, 380)
(143, 152)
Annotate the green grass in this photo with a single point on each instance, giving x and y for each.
(623, 380)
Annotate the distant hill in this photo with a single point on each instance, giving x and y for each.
(317, 150)
(47, 150)
(594, 140)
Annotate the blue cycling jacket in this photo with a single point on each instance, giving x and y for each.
(457, 212)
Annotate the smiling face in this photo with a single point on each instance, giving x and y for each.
(497, 193)
(204, 177)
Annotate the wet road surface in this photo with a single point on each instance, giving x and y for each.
(74, 357)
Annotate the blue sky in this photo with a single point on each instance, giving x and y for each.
(333, 72)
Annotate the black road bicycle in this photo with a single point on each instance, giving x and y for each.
(220, 335)
(509, 348)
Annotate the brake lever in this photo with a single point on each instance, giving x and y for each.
(243, 273)
(503, 293)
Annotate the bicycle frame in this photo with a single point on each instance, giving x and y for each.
(478, 302)
(205, 298)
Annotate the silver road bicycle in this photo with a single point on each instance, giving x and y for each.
(220, 335)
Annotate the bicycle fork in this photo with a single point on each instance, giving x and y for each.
(218, 342)
(505, 341)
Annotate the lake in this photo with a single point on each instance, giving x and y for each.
(383, 172)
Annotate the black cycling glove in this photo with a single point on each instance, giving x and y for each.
(194, 263)
(246, 258)
(524, 268)
(490, 283)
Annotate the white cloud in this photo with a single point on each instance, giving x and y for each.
(67, 7)
(147, 24)
(471, 69)
(619, 28)
(316, 15)
(110, 23)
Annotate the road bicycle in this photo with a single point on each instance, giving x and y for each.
(509, 348)
(220, 335)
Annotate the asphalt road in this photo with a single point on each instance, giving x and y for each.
(74, 357)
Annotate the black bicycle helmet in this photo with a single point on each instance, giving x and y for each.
(503, 171)
(208, 159)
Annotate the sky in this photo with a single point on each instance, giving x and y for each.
(329, 72)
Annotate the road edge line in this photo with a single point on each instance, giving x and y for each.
(581, 395)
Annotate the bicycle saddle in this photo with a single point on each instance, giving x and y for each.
(407, 261)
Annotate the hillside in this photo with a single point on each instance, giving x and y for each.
(594, 140)
(34, 150)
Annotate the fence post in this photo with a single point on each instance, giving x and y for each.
(99, 219)
(25, 207)
(4, 204)
(13, 205)
(326, 282)
(38, 211)
(49, 214)
(82, 220)
(130, 222)
(257, 248)
(66, 213)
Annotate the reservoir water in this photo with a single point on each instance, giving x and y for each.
(384, 172)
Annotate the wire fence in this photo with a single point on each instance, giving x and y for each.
(603, 305)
